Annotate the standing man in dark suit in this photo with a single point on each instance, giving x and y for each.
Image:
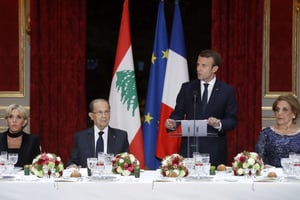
(114, 140)
(220, 109)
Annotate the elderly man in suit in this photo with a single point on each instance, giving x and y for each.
(86, 141)
(219, 107)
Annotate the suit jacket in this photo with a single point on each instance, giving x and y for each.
(222, 105)
(29, 149)
(84, 145)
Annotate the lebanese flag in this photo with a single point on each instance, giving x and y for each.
(176, 74)
(123, 97)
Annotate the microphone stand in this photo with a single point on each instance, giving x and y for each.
(194, 120)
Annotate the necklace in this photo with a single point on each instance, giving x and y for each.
(14, 135)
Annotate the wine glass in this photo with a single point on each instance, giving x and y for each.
(198, 164)
(45, 171)
(12, 158)
(3, 159)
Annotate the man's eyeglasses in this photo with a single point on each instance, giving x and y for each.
(101, 113)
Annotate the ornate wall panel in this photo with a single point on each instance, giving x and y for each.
(280, 47)
(12, 48)
(281, 52)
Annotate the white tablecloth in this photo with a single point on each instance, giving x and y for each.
(150, 186)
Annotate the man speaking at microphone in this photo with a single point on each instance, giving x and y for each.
(207, 98)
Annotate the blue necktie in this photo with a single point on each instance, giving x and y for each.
(99, 145)
(204, 99)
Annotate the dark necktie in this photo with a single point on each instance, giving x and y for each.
(99, 145)
(204, 99)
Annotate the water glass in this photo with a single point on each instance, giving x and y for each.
(286, 164)
(205, 157)
(189, 163)
(206, 169)
(295, 157)
(108, 157)
(91, 164)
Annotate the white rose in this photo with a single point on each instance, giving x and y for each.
(256, 166)
(240, 171)
(235, 164)
(245, 165)
(126, 172)
(253, 155)
(251, 161)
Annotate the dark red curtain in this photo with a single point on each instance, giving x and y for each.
(57, 85)
(237, 31)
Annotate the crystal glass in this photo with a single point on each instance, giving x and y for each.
(206, 169)
(286, 164)
(190, 164)
(101, 157)
(295, 157)
(108, 157)
(46, 171)
(12, 158)
(3, 157)
(91, 164)
(205, 157)
(198, 163)
(253, 172)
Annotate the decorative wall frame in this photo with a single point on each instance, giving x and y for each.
(280, 48)
(12, 83)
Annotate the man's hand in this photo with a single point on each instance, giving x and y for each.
(214, 122)
(170, 124)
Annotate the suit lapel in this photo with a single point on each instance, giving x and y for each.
(111, 140)
(91, 141)
(214, 94)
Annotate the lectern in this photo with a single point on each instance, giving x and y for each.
(191, 129)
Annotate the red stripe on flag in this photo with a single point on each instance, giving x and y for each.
(124, 40)
(136, 147)
(166, 143)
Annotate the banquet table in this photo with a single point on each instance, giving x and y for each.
(150, 185)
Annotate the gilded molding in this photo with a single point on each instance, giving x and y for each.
(266, 50)
(21, 91)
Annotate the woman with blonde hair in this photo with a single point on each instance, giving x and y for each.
(15, 140)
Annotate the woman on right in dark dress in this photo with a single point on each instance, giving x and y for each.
(277, 141)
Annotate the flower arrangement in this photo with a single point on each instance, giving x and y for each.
(47, 163)
(246, 163)
(125, 164)
(173, 166)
